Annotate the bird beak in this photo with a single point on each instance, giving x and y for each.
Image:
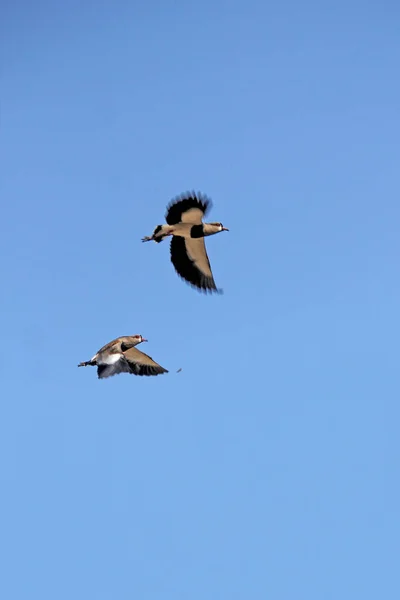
(144, 340)
(225, 229)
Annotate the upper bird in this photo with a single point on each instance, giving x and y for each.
(184, 218)
(121, 356)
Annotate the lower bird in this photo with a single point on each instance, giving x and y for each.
(121, 356)
(184, 218)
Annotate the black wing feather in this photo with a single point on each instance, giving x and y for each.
(146, 370)
(185, 202)
(104, 371)
(186, 268)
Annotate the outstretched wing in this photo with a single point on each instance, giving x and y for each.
(188, 208)
(189, 257)
(142, 364)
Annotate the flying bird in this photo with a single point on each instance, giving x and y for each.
(184, 218)
(121, 356)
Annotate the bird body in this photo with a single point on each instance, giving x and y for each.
(185, 230)
(188, 252)
(121, 356)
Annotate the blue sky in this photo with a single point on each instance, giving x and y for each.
(269, 467)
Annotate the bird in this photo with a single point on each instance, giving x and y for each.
(121, 356)
(184, 218)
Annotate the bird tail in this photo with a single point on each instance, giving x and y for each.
(160, 232)
(87, 363)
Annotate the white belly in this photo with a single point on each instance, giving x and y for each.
(109, 359)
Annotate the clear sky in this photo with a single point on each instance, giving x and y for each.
(269, 467)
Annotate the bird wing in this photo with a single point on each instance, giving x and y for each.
(109, 369)
(188, 208)
(111, 345)
(142, 364)
(189, 257)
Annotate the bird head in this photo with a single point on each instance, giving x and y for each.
(218, 227)
(138, 339)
